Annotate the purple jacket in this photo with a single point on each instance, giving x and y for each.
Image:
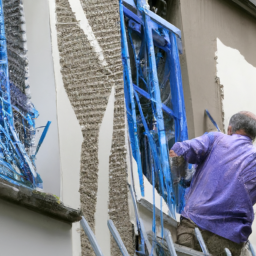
(223, 190)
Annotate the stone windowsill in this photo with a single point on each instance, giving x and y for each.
(149, 207)
(40, 202)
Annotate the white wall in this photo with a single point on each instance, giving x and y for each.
(58, 160)
(105, 141)
(70, 138)
(26, 233)
(239, 80)
(43, 90)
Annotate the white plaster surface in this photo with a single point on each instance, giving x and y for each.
(129, 161)
(239, 80)
(26, 233)
(70, 138)
(43, 90)
(105, 141)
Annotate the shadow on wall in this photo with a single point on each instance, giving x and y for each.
(202, 22)
(43, 90)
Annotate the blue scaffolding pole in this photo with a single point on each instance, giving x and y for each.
(130, 105)
(19, 167)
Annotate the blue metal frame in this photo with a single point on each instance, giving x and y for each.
(130, 105)
(156, 98)
(16, 165)
(212, 120)
(155, 32)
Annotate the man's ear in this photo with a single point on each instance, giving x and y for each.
(229, 130)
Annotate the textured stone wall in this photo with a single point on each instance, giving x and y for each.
(88, 85)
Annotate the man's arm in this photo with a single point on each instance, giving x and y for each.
(195, 150)
(248, 177)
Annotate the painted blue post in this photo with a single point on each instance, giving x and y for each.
(145, 23)
(129, 85)
(117, 238)
(154, 154)
(181, 132)
(212, 120)
(149, 135)
(43, 136)
(156, 95)
(177, 89)
(251, 249)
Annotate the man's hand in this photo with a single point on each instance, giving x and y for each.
(172, 153)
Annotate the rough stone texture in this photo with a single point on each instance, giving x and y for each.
(43, 203)
(221, 93)
(88, 91)
(103, 16)
(88, 85)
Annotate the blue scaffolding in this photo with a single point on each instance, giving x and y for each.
(150, 40)
(16, 164)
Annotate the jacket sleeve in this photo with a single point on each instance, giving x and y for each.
(251, 188)
(248, 177)
(196, 150)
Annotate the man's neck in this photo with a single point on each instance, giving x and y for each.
(242, 132)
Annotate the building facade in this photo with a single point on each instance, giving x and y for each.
(76, 82)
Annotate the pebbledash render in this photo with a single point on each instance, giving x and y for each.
(88, 84)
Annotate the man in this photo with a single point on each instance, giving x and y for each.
(223, 190)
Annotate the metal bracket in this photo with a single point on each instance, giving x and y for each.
(117, 238)
(228, 252)
(168, 239)
(91, 237)
(201, 242)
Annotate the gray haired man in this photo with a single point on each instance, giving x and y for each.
(223, 190)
